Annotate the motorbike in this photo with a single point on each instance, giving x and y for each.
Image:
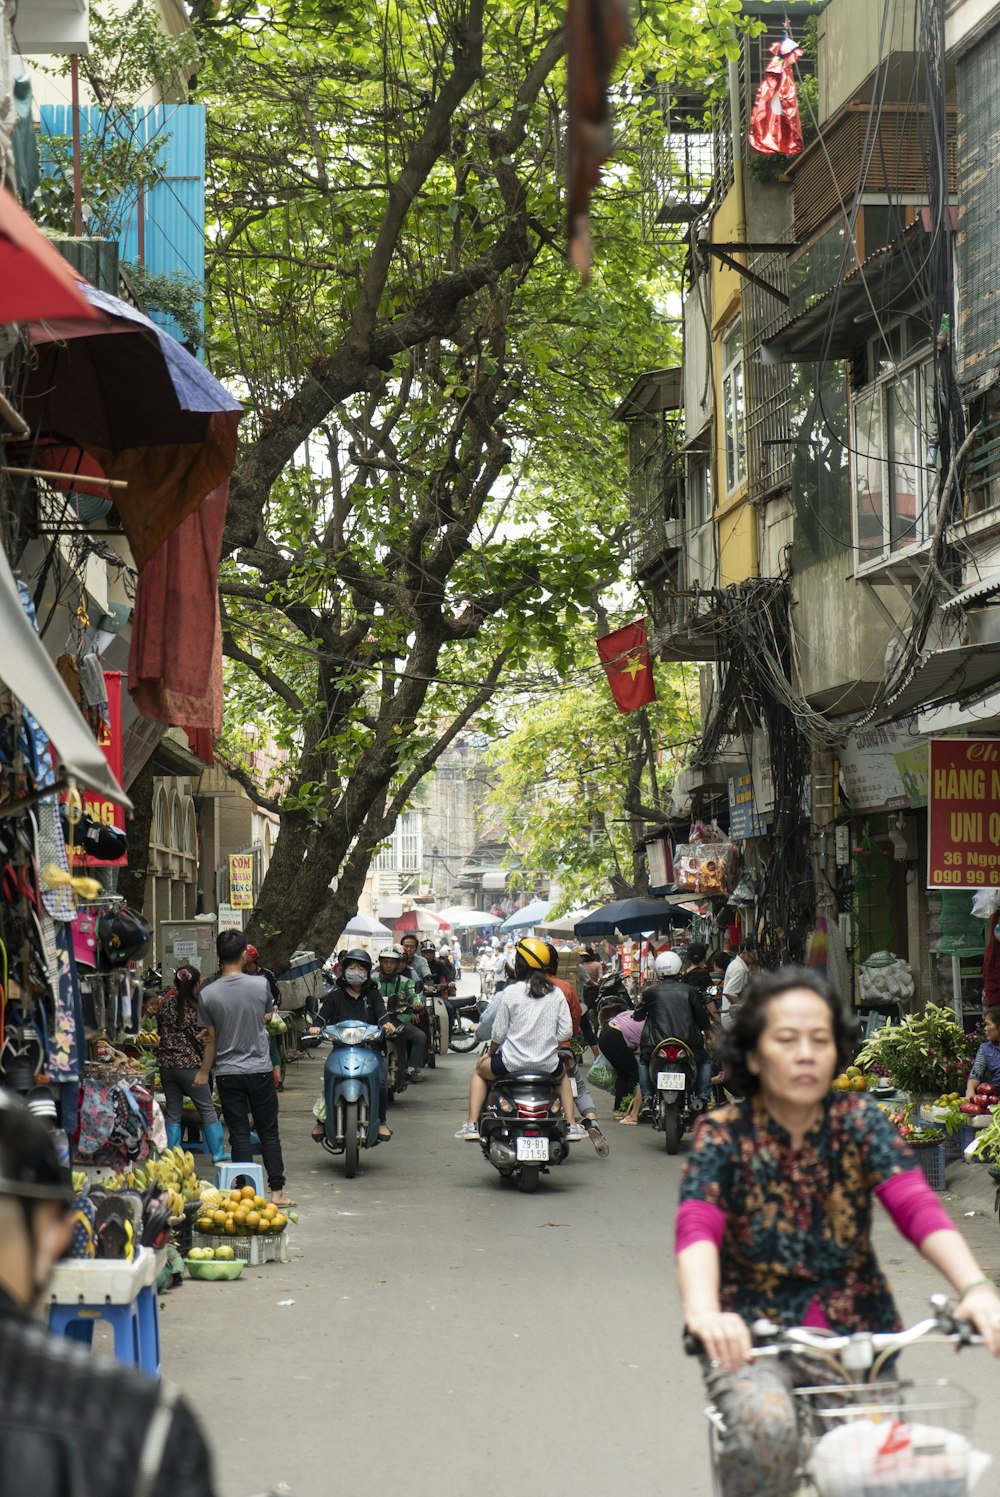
(463, 1037)
(351, 1080)
(396, 1075)
(672, 1068)
(611, 997)
(523, 1128)
(436, 1016)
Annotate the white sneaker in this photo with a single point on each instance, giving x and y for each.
(470, 1132)
(575, 1131)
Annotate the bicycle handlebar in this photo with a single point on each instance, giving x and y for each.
(771, 1341)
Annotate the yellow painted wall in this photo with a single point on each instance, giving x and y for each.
(738, 558)
(726, 284)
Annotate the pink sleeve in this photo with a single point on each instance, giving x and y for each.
(913, 1206)
(698, 1221)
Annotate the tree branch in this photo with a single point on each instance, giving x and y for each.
(242, 777)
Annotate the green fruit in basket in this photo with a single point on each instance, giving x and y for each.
(224, 1254)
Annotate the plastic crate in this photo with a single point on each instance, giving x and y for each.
(252, 1249)
(953, 1145)
(932, 1161)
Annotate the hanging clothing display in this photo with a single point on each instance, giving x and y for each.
(775, 126)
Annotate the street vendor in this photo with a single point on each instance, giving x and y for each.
(403, 1004)
(986, 1066)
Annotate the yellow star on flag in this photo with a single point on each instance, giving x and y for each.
(633, 665)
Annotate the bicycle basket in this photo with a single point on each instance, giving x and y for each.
(890, 1440)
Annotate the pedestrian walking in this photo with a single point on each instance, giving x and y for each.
(179, 1057)
(233, 1010)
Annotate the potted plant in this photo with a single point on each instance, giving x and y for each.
(926, 1054)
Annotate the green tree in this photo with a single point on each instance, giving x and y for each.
(430, 484)
(573, 772)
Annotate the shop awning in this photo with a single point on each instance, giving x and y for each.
(979, 592)
(961, 674)
(35, 280)
(29, 673)
(843, 318)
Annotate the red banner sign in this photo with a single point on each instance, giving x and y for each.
(105, 812)
(963, 814)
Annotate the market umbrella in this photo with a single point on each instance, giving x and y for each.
(140, 406)
(364, 925)
(566, 924)
(631, 916)
(35, 280)
(419, 920)
(532, 914)
(460, 917)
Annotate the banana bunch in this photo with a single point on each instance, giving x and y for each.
(174, 1172)
(147, 1039)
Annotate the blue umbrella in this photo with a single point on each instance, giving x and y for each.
(532, 914)
(631, 917)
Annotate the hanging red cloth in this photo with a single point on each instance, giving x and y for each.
(775, 126)
(596, 32)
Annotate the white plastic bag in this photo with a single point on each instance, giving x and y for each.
(890, 1457)
(985, 903)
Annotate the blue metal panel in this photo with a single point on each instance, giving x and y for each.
(174, 209)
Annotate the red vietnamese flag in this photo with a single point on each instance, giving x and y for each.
(628, 666)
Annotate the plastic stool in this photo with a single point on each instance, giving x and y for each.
(123, 1294)
(227, 1173)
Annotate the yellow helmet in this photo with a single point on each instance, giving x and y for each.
(533, 953)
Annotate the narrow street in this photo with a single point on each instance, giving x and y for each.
(449, 1335)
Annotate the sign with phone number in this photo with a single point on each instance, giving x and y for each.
(963, 814)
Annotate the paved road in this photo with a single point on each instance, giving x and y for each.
(450, 1336)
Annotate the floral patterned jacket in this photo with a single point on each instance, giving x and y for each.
(798, 1220)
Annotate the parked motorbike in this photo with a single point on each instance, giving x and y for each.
(523, 1128)
(463, 1037)
(672, 1069)
(351, 1080)
(612, 996)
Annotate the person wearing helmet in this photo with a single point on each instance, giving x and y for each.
(531, 1021)
(673, 1008)
(584, 1102)
(355, 996)
(440, 978)
(403, 1004)
(55, 1396)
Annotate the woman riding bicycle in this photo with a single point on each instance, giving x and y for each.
(775, 1218)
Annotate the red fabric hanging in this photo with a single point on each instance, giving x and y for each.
(596, 32)
(627, 664)
(175, 663)
(775, 126)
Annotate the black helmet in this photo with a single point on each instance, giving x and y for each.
(553, 959)
(428, 945)
(29, 1165)
(357, 957)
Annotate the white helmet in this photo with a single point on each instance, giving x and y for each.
(668, 964)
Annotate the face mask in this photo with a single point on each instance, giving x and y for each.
(355, 976)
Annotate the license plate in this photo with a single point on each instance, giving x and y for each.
(671, 1081)
(532, 1150)
(574, 1086)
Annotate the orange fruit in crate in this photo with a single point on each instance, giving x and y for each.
(253, 1220)
(259, 1203)
(219, 1218)
(247, 1193)
(236, 1195)
(280, 1222)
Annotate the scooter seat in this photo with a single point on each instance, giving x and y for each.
(528, 1076)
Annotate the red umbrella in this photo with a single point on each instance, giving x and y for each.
(419, 920)
(35, 281)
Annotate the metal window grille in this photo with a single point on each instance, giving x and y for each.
(977, 153)
(769, 386)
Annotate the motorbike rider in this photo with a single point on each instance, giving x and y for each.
(439, 974)
(56, 1395)
(403, 1002)
(572, 1053)
(355, 997)
(532, 1020)
(416, 967)
(674, 1009)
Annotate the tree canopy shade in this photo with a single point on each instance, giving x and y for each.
(431, 484)
(569, 778)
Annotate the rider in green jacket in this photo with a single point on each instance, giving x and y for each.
(403, 1003)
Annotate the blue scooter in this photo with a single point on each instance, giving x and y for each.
(352, 1078)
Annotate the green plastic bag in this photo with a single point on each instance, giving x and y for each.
(602, 1075)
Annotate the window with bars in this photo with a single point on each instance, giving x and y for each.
(893, 437)
(404, 851)
(734, 406)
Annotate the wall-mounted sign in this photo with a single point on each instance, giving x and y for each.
(241, 880)
(98, 807)
(744, 818)
(963, 818)
(885, 768)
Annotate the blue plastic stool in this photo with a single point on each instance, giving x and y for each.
(228, 1172)
(136, 1328)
